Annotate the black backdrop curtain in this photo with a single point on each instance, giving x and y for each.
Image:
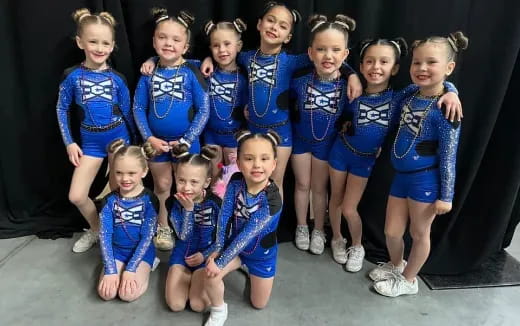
(37, 46)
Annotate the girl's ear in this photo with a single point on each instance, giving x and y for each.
(450, 68)
(288, 39)
(78, 42)
(395, 69)
(207, 183)
(239, 45)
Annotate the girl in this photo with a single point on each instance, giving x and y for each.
(128, 219)
(270, 70)
(354, 153)
(423, 154)
(193, 214)
(170, 107)
(320, 96)
(228, 88)
(102, 95)
(246, 231)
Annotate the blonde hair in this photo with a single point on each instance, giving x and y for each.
(84, 17)
(120, 149)
(454, 42)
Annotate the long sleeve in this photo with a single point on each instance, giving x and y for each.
(105, 239)
(147, 232)
(257, 222)
(65, 98)
(141, 103)
(447, 151)
(201, 101)
(181, 219)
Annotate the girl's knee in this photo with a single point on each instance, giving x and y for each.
(197, 305)
(77, 199)
(303, 186)
(350, 212)
(393, 234)
(176, 305)
(259, 303)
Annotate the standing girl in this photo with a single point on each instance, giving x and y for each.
(423, 154)
(320, 95)
(270, 69)
(102, 96)
(193, 212)
(354, 152)
(246, 231)
(128, 219)
(170, 107)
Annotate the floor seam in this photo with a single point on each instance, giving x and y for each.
(15, 251)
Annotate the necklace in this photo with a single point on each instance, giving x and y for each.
(123, 222)
(234, 96)
(83, 84)
(252, 89)
(402, 123)
(171, 95)
(330, 117)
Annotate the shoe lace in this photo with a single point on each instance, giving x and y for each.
(302, 231)
(339, 244)
(354, 252)
(163, 232)
(89, 235)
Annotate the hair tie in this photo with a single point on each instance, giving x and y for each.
(182, 21)
(239, 30)
(295, 15)
(397, 46)
(83, 16)
(240, 137)
(119, 147)
(161, 18)
(452, 43)
(144, 153)
(182, 154)
(205, 157)
(272, 138)
(345, 25)
(364, 47)
(317, 25)
(209, 27)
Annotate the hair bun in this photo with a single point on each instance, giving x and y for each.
(186, 18)
(458, 40)
(346, 21)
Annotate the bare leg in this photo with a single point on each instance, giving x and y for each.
(301, 164)
(112, 294)
(162, 185)
(319, 181)
(354, 191)
(198, 298)
(395, 226)
(337, 185)
(283, 155)
(260, 291)
(142, 276)
(214, 286)
(177, 287)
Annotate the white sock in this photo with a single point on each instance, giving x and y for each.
(219, 308)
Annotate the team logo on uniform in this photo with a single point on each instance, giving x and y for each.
(222, 90)
(412, 119)
(375, 114)
(131, 215)
(326, 101)
(97, 89)
(168, 86)
(244, 211)
(203, 216)
(263, 73)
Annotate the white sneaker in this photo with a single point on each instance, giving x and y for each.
(217, 316)
(301, 239)
(86, 241)
(396, 285)
(386, 270)
(155, 264)
(338, 250)
(164, 240)
(317, 242)
(355, 256)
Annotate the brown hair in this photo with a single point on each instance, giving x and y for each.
(398, 44)
(244, 135)
(184, 18)
(237, 25)
(318, 23)
(207, 153)
(455, 43)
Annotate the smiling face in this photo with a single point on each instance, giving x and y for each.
(170, 41)
(378, 65)
(275, 27)
(191, 180)
(97, 41)
(129, 173)
(430, 67)
(327, 52)
(256, 161)
(224, 46)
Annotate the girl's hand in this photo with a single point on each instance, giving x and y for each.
(173, 143)
(246, 112)
(232, 157)
(109, 284)
(354, 87)
(161, 146)
(185, 201)
(345, 126)
(206, 68)
(128, 283)
(378, 152)
(75, 153)
(441, 207)
(147, 67)
(212, 269)
(453, 106)
(194, 260)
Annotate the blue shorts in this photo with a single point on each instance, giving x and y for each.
(179, 255)
(343, 159)
(262, 262)
(167, 156)
(422, 186)
(284, 131)
(222, 139)
(318, 149)
(95, 143)
(124, 254)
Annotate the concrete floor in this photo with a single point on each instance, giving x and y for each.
(43, 283)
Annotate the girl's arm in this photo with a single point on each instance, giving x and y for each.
(201, 101)
(106, 230)
(180, 218)
(226, 211)
(141, 102)
(65, 98)
(448, 142)
(147, 231)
